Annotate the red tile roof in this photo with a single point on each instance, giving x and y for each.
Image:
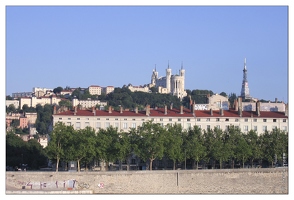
(176, 113)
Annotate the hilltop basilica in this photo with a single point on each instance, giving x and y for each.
(170, 84)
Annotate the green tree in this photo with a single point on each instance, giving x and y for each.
(124, 147)
(243, 150)
(57, 90)
(195, 145)
(82, 145)
(173, 143)
(59, 142)
(254, 143)
(106, 144)
(150, 142)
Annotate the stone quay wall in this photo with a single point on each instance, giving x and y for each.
(212, 181)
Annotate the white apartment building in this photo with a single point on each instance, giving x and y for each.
(13, 102)
(88, 103)
(138, 88)
(95, 90)
(259, 121)
(33, 101)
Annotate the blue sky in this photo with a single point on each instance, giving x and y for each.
(79, 46)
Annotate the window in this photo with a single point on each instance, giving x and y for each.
(208, 127)
(78, 118)
(208, 119)
(254, 120)
(264, 120)
(284, 128)
(188, 125)
(245, 128)
(133, 125)
(125, 125)
(236, 120)
(179, 119)
(274, 120)
(116, 124)
(218, 126)
(161, 119)
(68, 123)
(107, 118)
(170, 119)
(68, 118)
(125, 119)
(199, 126)
(246, 120)
(284, 120)
(143, 119)
(87, 124)
(78, 125)
(98, 125)
(98, 118)
(60, 118)
(198, 119)
(274, 127)
(255, 128)
(116, 119)
(227, 127)
(217, 119)
(264, 128)
(227, 119)
(107, 124)
(188, 120)
(87, 118)
(134, 119)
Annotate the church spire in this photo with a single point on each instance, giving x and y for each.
(168, 64)
(182, 65)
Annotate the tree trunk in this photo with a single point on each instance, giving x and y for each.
(243, 162)
(79, 166)
(197, 165)
(150, 165)
(174, 167)
(251, 163)
(220, 163)
(57, 162)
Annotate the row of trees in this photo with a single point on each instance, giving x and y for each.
(19, 152)
(151, 141)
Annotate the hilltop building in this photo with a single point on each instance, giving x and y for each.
(170, 84)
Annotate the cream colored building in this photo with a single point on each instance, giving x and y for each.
(13, 102)
(33, 101)
(95, 90)
(88, 103)
(138, 88)
(205, 119)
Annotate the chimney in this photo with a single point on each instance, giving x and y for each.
(165, 109)
(120, 109)
(258, 108)
(221, 112)
(236, 105)
(54, 109)
(193, 109)
(240, 111)
(286, 110)
(136, 110)
(93, 110)
(211, 112)
(147, 110)
(276, 100)
(75, 110)
(109, 109)
(181, 112)
(171, 106)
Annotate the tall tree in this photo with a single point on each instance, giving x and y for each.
(195, 146)
(151, 142)
(174, 143)
(59, 142)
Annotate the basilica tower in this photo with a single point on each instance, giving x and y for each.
(168, 79)
(245, 88)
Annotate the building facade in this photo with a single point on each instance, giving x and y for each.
(259, 121)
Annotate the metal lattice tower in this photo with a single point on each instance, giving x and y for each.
(245, 88)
